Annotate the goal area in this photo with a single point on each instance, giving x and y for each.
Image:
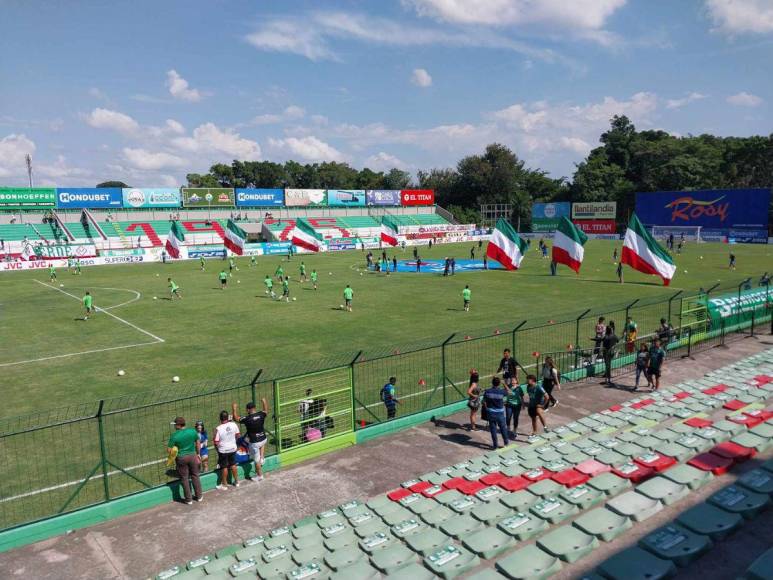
(688, 233)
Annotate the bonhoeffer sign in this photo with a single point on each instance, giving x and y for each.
(714, 208)
(88, 197)
(545, 216)
(729, 307)
(23, 197)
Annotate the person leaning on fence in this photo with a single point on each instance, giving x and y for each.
(494, 401)
(187, 461)
(665, 332)
(609, 345)
(630, 330)
(254, 422)
(389, 397)
(225, 442)
(473, 397)
(203, 445)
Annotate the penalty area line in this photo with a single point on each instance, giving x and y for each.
(45, 358)
(98, 309)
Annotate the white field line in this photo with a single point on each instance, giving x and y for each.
(118, 318)
(136, 294)
(77, 481)
(45, 358)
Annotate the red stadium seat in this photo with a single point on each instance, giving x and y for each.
(736, 453)
(746, 420)
(471, 487)
(656, 461)
(516, 483)
(710, 462)
(698, 422)
(454, 482)
(570, 478)
(398, 494)
(493, 478)
(734, 405)
(419, 487)
(634, 472)
(537, 474)
(592, 467)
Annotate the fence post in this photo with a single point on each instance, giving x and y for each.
(351, 387)
(253, 386)
(752, 326)
(577, 337)
(722, 333)
(443, 376)
(103, 450)
(628, 308)
(277, 430)
(512, 346)
(670, 301)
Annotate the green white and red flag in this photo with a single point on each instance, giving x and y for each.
(641, 252)
(305, 237)
(568, 242)
(174, 240)
(506, 246)
(235, 238)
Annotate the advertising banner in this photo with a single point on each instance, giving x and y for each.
(64, 250)
(545, 216)
(594, 210)
(259, 197)
(24, 197)
(412, 197)
(597, 226)
(346, 197)
(206, 252)
(728, 307)
(122, 253)
(136, 198)
(732, 235)
(382, 197)
(208, 197)
(305, 197)
(714, 208)
(435, 228)
(88, 197)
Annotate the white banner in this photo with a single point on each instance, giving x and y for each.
(435, 228)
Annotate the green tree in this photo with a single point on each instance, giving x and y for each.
(112, 184)
(397, 179)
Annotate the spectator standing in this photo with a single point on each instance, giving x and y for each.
(254, 422)
(513, 405)
(620, 272)
(203, 445)
(642, 362)
(389, 397)
(550, 380)
(187, 461)
(609, 345)
(537, 397)
(665, 332)
(225, 442)
(508, 368)
(598, 339)
(473, 397)
(655, 367)
(494, 400)
(453, 266)
(630, 330)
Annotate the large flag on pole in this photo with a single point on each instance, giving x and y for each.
(506, 246)
(641, 252)
(568, 242)
(235, 238)
(388, 231)
(305, 237)
(174, 240)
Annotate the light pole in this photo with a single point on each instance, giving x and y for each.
(28, 160)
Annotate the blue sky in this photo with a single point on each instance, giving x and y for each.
(147, 91)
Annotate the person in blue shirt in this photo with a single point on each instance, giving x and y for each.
(389, 397)
(494, 400)
(203, 445)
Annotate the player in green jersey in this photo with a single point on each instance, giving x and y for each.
(348, 297)
(286, 288)
(232, 266)
(303, 272)
(279, 274)
(466, 296)
(78, 267)
(88, 304)
(223, 279)
(201, 262)
(174, 289)
(51, 273)
(253, 261)
(269, 286)
(314, 278)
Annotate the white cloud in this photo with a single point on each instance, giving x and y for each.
(151, 161)
(59, 170)
(98, 94)
(210, 139)
(291, 36)
(294, 112)
(744, 99)
(170, 127)
(733, 17)
(13, 149)
(113, 120)
(175, 126)
(421, 78)
(291, 113)
(588, 14)
(306, 148)
(382, 161)
(575, 144)
(180, 89)
(679, 103)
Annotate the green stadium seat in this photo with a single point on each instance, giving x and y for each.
(729, 427)
(438, 515)
(409, 527)
(759, 444)
(411, 572)
(195, 574)
(250, 553)
(343, 558)
(611, 458)
(688, 475)
(709, 520)
(522, 525)
(275, 567)
(464, 504)
(448, 497)
(344, 539)
(491, 513)
(761, 568)
(583, 496)
(568, 543)
(609, 483)
(489, 542)
(377, 542)
(757, 480)
(545, 488)
(602, 523)
(636, 564)
(663, 490)
(393, 558)
(309, 554)
(372, 527)
(427, 542)
(450, 561)
(460, 526)
(312, 570)
(553, 509)
(763, 430)
(676, 543)
(739, 500)
(693, 442)
(529, 562)
(634, 505)
(519, 500)
(360, 571)
(219, 564)
(486, 574)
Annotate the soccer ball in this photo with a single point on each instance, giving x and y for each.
(238, 281)
(155, 297)
(61, 285)
(175, 379)
(156, 275)
(701, 257)
(360, 273)
(294, 299)
(330, 273)
(342, 307)
(685, 271)
(266, 291)
(121, 373)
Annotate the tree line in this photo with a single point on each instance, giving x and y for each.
(626, 161)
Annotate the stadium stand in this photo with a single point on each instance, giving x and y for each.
(528, 511)
(419, 220)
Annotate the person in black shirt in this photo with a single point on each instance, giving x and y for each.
(608, 345)
(508, 366)
(254, 423)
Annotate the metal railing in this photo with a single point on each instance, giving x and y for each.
(67, 458)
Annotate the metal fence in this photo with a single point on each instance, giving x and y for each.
(64, 459)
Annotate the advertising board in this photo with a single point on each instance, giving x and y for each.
(208, 197)
(346, 197)
(734, 307)
(27, 197)
(545, 216)
(596, 226)
(246, 197)
(382, 197)
(149, 197)
(305, 197)
(411, 197)
(714, 208)
(88, 197)
(594, 210)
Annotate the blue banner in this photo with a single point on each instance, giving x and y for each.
(714, 208)
(276, 247)
(246, 197)
(135, 198)
(382, 197)
(346, 197)
(740, 236)
(88, 197)
(551, 211)
(215, 253)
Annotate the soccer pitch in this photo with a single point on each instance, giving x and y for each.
(50, 357)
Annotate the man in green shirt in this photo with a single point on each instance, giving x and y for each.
(269, 286)
(466, 295)
(279, 274)
(201, 261)
(223, 279)
(186, 441)
(286, 288)
(314, 278)
(52, 272)
(78, 267)
(232, 266)
(88, 304)
(348, 297)
(513, 405)
(303, 272)
(253, 261)
(174, 289)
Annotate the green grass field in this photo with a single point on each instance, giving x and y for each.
(212, 332)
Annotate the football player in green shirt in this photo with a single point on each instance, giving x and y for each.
(466, 296)
(303, 272)
(51, 273)
(78, 267)
(253, 261)
(279, 274)
(88, 304)
(174, 289)
(232, 266)
(269, 286)
(286, 288)
(314, 278)
(348, 297)
(201, 261)
(223, 279)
